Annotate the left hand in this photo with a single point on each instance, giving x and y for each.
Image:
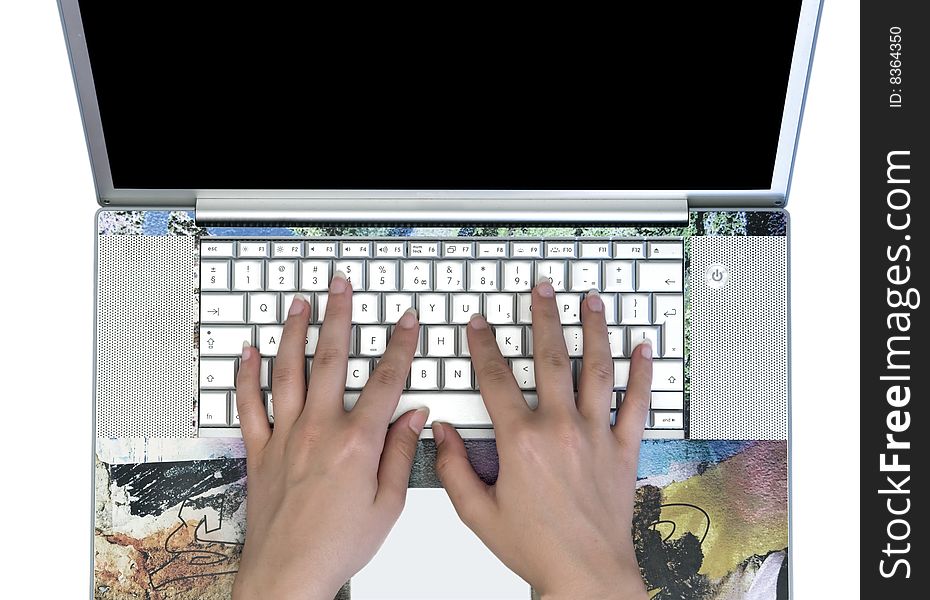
(325, 486)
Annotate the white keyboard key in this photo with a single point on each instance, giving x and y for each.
(456, 374)
(313, 338)
(573, 341)
(372, 340)
(382, 276)
(282, 275)
(263, 308)
(417, 276)
(320, 249)
(634, 309)
(569, 308)
(395, 249)
(253, 249)
(482, 276)
(213, 406)
(269, 402)
(423, 249)
(616, 338)
(498, 309)
(560, 249)
(668, 311)
(365, 308)
(424, 374)
(269, 339)
(464, 306)
(247, 274)
(524, 373)
(595, 250)
(665, 250)
(354, 272)
(668, 400)
(585, 275)
(525, 309)
(440, 341)
(618, 276)
(320, 301)
(457, 250)
(280, 249)
(432, 308)
(628, 250)
(526, 249)
(610, 308)
(463, 341)
(517, 276)
(264, 374)
(223, 341)
(658, 276)
(668, 375)
(233, 410)
(621, 374)
(639, 334)
(510, 340)
(356, 249)
(666, 419)
(554, 270)
(214, 275)
(395, 305)
(450, 276)
(314, 275)
(222, 308)
(492, 249)
(357, 373)
(217, 249)
(217, 373)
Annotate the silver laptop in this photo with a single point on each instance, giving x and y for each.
(444, 161)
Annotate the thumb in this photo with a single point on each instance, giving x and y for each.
(400, 445)
(469, 495)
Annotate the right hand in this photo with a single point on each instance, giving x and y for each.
(560, 513)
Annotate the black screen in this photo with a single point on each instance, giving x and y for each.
(202, 94)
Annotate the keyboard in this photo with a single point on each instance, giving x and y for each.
(246, 286)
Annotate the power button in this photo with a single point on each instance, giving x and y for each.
(716, 276)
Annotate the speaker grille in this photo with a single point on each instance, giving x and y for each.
(739, 339)
(145, 359)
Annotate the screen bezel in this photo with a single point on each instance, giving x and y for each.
(775, 196)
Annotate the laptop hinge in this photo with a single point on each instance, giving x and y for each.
(562, 209)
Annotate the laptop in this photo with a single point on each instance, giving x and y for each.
(445, 160)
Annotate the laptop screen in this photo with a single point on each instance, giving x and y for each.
(199, 95)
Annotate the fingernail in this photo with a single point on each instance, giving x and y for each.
(418, 419)
(339, 283)
(646, 345)
(478, 322)
(594, 301)
(544, 287)
(438, 434)
(409, 319)
(297, 305)
(246, 350)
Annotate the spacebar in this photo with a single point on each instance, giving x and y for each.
(461, 409)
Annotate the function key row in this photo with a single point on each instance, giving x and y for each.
(627, 249)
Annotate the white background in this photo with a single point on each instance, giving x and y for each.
(48, 201)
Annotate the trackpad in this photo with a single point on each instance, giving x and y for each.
(431, 554)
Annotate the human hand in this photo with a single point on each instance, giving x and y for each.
(560, 514)
(325, 486)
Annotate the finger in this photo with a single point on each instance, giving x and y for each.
(550, 357)
(326, 391)
(596, 382)
(378, 401)
(470, 496)
(397, 458)
(502, 397)
(631, 418)
(288, 382)
(252, 416)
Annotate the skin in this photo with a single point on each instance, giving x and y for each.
(326, 485)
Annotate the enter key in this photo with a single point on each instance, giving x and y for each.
(668, 311)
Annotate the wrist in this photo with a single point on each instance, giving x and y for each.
(245, 588)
